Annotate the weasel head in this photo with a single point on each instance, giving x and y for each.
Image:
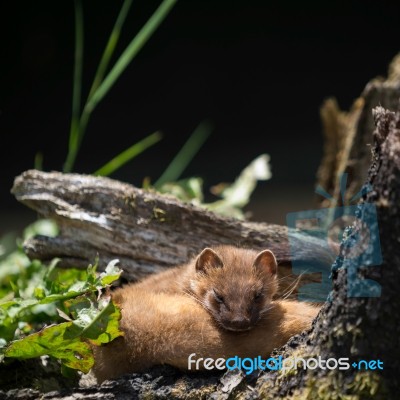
(235, 285)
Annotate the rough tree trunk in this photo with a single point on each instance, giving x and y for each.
(354, 327)
(360, 328)
(348, 135)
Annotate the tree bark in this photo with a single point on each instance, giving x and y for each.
(361, 328)
(348, 136)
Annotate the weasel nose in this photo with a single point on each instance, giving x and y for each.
(239, 323)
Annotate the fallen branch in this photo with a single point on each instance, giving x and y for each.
(146, 231)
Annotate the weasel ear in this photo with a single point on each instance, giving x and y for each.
(207, 259)
(266, 261)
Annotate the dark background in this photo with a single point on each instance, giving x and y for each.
(258, 69)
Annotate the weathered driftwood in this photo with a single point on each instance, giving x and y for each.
(146, 231)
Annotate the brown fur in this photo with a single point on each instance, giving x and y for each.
(162, 328)
(230, 274)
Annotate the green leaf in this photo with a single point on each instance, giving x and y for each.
(37, 297)
(129, 53)
(110, 46)
(108, 323)
(38, 162)
(74, 135)
(237, 195)
(100, 89)
(94, 320)
(24, 304)
(188, 190)
(13, 265)
(68, 372)
(97, 321)
(128, 154)
(53, 341)
(8, 325)
(7, 244)
(39, 293)
(185, 154)
(62, 280)
(44, 227)
(111, 273)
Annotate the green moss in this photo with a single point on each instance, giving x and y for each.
(147, 396)
(159, 214)
(183, 391)
(130, 201)
(365, 385)
(301, 352)
(335, 385)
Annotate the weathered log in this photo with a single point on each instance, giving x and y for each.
(146, 231)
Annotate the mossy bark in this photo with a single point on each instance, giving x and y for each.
(359, 328)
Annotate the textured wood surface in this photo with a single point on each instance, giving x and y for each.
(146, 231)
(348, 135)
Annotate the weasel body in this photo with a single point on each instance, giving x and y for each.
(161, 328)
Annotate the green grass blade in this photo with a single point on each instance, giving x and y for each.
(105, 60)
(130, 52)
(110, 47)
(128, 154)
(186, 154)
(77, 88)
(38, 163)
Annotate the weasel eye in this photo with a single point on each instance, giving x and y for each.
(218, 297)
(258, 296)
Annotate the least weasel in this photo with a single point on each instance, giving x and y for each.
(234, 285)
(171, 315)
